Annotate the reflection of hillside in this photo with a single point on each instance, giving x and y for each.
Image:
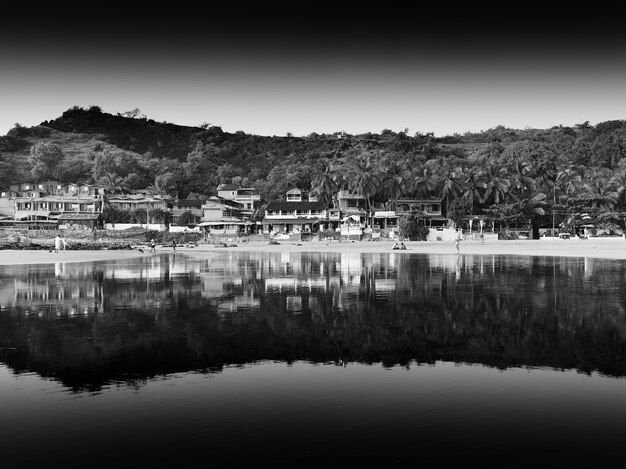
(322, 307)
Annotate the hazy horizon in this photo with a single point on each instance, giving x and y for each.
(275, 71)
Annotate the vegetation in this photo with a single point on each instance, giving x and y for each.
(529, 176)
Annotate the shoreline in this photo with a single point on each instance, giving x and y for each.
(606, 248)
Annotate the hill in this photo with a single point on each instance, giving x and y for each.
(479, 172)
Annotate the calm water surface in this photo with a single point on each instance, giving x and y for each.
(314, 358)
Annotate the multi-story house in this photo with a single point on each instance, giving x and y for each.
(297, 214)
(190, 209)
(64, 205)
(224, 217)
(156, 208)
(431, 208)
(386, 219)
(248, 197)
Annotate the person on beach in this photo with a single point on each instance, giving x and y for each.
(152, 245)
(457, 241)
(58, 242)
(174, 244)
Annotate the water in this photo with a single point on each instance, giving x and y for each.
(314, 358)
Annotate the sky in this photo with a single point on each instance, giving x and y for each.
(303, 68)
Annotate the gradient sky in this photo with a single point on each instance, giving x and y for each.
(319, 68)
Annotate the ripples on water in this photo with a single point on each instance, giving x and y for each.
(314, 358)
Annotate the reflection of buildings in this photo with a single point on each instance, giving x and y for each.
(51, 291)
(166, 313)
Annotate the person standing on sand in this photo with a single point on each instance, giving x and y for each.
(457, 241)
(57, 244)
(152, 245)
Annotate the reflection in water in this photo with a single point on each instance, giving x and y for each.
(165, 361)
(89, 324)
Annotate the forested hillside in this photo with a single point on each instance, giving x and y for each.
(512, 175)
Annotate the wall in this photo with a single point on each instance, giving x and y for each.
(126, 226)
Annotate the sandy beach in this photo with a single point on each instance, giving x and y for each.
(613, 248)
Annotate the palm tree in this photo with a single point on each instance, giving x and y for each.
(533, 207)
(600, 194)
(568, 181)
(395, 179)
(521, 182)
(423, 183)
(325, 183)
(363, 178)
(473, 185)
(618, 180)
(163, 184)
(497, 183)
(112, 183)
(451, 185)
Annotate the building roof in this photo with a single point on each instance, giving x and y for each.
(288, 206)
(227, 187)
(188, 203)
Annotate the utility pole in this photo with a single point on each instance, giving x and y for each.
(553, 207)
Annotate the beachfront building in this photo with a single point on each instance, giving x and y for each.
(298, 216)
(187, 211)
(224, 217)
(52, 205)
(151, 212)
(386, 219)
(352, 203)
(248, 197)
(430, 208)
